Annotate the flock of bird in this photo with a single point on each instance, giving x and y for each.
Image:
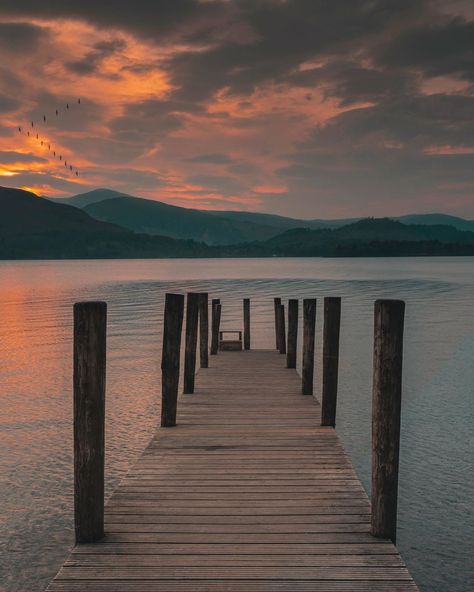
(33, 130)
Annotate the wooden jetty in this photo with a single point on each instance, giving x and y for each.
(248, 492)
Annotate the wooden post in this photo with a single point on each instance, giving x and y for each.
(214, 327)
(309, 328)
(332, 322)
(386, 410)
(281, 329)
(246, 323)
(170, 358)
(192, 317)
(276, 304)
(292, 333)
(90, 328)
(218, 323)
(204, 330)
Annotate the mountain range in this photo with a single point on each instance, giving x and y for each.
(215, 227)
(104, 224)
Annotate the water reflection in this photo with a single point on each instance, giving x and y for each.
(35, 410)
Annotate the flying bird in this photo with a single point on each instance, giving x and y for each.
(44, 117)
(57, 112)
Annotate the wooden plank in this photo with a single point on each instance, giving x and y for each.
(247, 492)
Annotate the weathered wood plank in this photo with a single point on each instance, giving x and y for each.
(247, 492)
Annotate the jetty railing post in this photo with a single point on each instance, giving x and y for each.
(204, 330)
(281, 329)
(90, 328)
(246, 323)
(332, 322)
(309, 329)
(386, 411)
(192, 318)
(292, 333)
(170, 358)
(214, 327)
(276, 304)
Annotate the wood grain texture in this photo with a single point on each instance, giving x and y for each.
(248, 493)
(332, 323)
(292, 333)
(386, 410)
(246, 310)
(204, 329)
(215, 322)
(192, 320)
(170, 358)
(90, 327)
(309, 330)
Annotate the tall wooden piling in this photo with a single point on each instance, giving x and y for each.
(309, 329)
(192, 318)
(204, 329)
(292, 333)
(90, 327)
(246, 323)
(214, 327)
(276, 304)
(281, 329)
(386, 410)
(170, 358)
(332, 322)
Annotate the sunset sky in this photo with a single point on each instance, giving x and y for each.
(308, 108)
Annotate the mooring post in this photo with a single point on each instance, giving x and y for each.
(192, 317)
(204, 330)
(214, 327)
(276, 304)
(292, 333)
(90, 328)
(281, 329)
(332, 322)
(386, 410)
(246, 323)
(170, 358)
(309, 329)
(218, 324)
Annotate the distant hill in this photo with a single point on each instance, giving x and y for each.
(84, 199)
(32, 227)
(373, 237)
(157, 218)
(436, 219)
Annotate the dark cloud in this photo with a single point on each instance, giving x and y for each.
(90, 63)
(20, 37)
(10, 157)
(146, 17)
(438, 49)
(8, 103)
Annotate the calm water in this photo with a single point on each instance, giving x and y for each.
(436, 531)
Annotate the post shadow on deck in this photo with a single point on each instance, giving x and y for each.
(170, 358)
(309, 329)
(292, 333)
(386, 411)
(90, 328)
(332, 322)
(192, 318)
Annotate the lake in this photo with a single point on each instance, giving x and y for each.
(436, 531)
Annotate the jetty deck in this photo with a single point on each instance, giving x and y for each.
(246, 493)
